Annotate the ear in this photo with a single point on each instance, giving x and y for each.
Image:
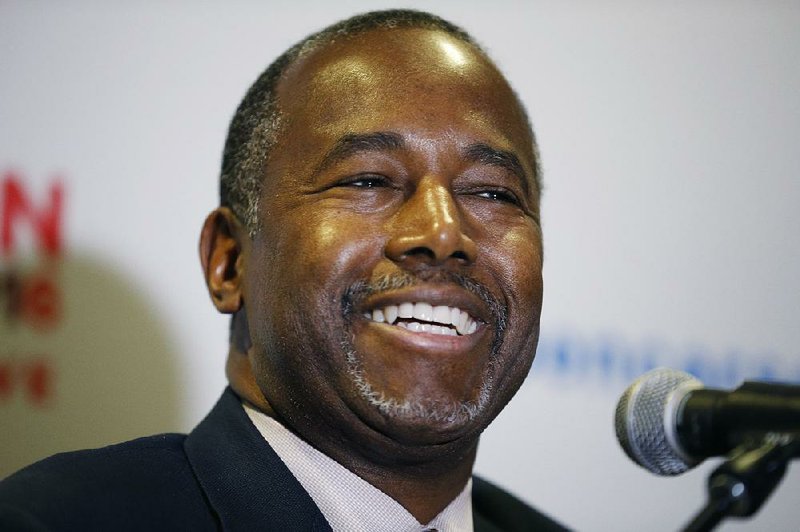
(222, 248)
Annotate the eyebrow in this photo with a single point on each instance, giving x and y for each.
(355, 143)
(485, 154)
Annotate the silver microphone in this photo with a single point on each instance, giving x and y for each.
(667, 422)
(643, 421)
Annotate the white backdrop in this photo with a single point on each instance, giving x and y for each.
(668, 133)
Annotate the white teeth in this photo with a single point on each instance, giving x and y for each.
(455, 316)
(441, 314)
(390, 313)
(460, 323)
(406, 310)
(467, 325)
(461, 326)
(423, 311)
(431, 319)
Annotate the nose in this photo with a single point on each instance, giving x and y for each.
(429, 230)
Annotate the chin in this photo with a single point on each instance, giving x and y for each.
(421, 424)
(421, 420)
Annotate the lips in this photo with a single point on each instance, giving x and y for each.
(425, 317)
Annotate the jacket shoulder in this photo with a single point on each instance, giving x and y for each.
(141, 484)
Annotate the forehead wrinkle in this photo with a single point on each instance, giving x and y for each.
(485, 154)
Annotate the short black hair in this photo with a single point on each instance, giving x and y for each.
(254, 127)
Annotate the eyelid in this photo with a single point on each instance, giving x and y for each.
(507, 196)
(516, 198)
(481, 189)
(377, 179)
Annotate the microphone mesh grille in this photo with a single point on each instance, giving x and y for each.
(640, 421)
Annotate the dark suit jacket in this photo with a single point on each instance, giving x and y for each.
(222, 476)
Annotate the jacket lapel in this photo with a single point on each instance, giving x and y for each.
(245, 482)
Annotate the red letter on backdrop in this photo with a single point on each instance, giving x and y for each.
(46, 222)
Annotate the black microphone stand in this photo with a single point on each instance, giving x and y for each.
(739, 487)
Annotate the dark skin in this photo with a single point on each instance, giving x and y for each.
(402, 152)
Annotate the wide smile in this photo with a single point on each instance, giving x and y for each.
(424, 317)
(430, 319)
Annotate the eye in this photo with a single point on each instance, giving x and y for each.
(366, 181)
(500, 195)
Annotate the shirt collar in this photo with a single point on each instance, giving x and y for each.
(347, 501)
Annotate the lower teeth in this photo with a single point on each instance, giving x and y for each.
(415, 326)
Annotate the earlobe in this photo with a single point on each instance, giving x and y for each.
(221, 255)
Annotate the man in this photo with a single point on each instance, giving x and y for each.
(379, 249)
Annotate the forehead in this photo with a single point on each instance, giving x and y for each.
(417, 82)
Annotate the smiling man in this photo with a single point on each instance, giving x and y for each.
(378, 246)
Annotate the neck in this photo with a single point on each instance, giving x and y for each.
(424, 490)
(423, 480)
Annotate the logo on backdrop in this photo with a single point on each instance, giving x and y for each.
(613, 359)
(31, 245)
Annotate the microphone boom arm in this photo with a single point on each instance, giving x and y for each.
(741, 485)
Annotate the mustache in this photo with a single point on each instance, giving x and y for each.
(360, 290)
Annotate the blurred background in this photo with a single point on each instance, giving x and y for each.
(668, 132)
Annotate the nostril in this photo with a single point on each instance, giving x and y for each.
(428, 255)
(461, 255)
(421, 251)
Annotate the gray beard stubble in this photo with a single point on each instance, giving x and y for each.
(455, 412)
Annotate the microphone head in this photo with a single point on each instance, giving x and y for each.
(645, 420)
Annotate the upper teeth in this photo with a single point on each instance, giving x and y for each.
(425, 312)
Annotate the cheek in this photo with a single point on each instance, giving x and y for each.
(322, 251)
(301, 268)
(518, 259)
(337, 248)
(520, 272)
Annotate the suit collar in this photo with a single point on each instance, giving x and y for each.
(245, 482)
(250, 488)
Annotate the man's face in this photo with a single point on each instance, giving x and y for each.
(394, 291)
